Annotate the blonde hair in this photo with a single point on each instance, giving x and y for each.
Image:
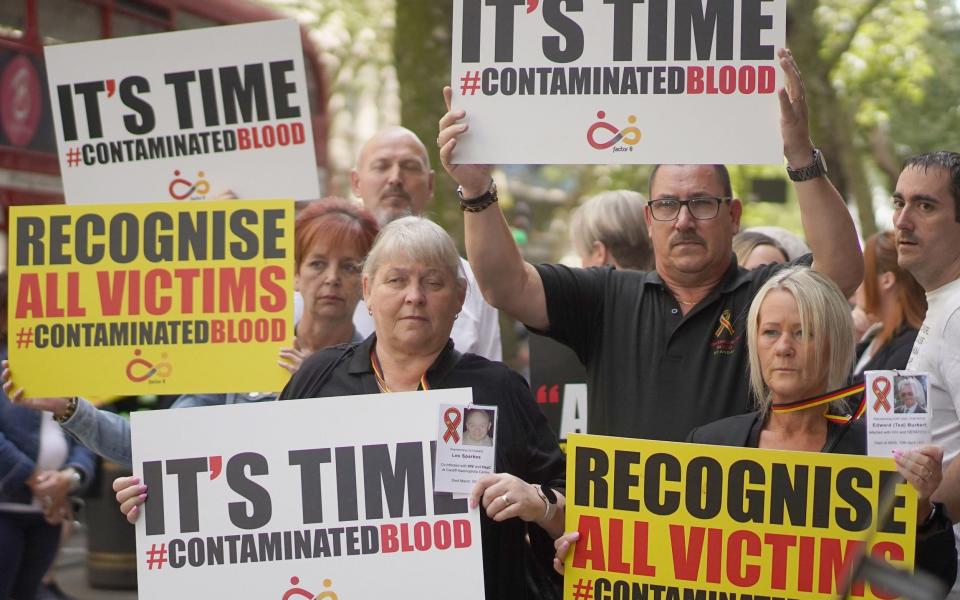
(419, 239)
(615, 219)
(824, 317)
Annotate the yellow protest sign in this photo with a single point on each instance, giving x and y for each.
(672, 521)
(160, 298)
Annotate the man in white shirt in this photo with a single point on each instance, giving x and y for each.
(927, 221)
(393, 178)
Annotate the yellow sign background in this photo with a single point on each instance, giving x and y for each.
(239, 352)
(718, 553)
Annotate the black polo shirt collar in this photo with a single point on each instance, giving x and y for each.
(733, 278)
(360, 365)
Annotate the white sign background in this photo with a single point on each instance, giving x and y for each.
(675, 128)
(273, 429)
(278, 172)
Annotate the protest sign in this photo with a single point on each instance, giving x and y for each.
(150, 298)
(610, 82)
(184, 115)
(329, 495)
(688, 521)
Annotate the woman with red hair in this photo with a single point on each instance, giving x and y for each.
(895, 300)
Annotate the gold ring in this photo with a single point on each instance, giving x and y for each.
(506, 500)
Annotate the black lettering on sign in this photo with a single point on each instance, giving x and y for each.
(622, 28)
(745, 505)
(186, 470)
(592, 465)
(788, 494)
(704, 474)
(181, 92)
(153, 510)
(703, 21)
(661, 467)
(397, 479)
(143, 121)
(261, 507)
(572, 34)
(503, 29)
(244, 93)
(752, 23)
(624, 480)
(311, 491)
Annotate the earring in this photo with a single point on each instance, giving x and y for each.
(369, 311)
(456, 316)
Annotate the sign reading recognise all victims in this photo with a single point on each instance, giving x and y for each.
(131, 299)
(184, 115)
(692, 522)
(618, 81)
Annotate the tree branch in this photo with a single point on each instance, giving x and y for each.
(833, 57)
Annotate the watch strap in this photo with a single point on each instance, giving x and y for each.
(815, 169)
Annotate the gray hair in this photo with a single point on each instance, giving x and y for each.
(912, 382)
(824, 315)
(419, 239)
(615, 219)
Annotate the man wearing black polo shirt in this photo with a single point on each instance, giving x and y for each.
(665, 350)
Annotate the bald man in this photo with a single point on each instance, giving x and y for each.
(393, 179)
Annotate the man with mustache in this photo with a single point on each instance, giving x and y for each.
(665, 350)
(393, 178)
(926, 217)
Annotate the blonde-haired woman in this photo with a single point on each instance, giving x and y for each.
(800, 341)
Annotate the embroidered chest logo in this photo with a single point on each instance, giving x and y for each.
(724, 325)
(725, 337)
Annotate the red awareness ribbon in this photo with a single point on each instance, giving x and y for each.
(452, 425)
(881, 392)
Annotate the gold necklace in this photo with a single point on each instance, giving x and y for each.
(686, 302)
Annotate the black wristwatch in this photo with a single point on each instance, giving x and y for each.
(479, 203)
(549, 498)
(815, 169)
(937, 520)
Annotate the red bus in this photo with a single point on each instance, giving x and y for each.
(29, 170)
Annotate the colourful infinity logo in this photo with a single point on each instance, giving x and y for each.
(629, 135)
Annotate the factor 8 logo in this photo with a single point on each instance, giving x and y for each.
(140, 369)
(183, 189)
(299, 592)
(622, 140)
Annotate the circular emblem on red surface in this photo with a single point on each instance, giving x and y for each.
(20, 101)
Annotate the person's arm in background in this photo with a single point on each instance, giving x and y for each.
(104, 432)
(827, 224)
(506, 280)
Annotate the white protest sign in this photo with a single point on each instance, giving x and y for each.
(618, 81)
(184, 115)
(262, 500)
(898, 416)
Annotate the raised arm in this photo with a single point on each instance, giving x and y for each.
(506, 280)
(827, 224)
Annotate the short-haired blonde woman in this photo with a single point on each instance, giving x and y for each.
(609, 229)
(414, 287)
(800, 340)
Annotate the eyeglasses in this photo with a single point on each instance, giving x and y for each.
(700, 207)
